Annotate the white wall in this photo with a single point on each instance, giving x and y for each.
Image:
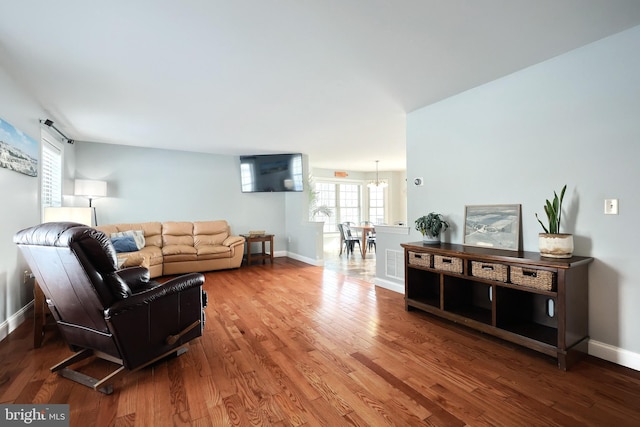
(572, 120)
(20, 204)
(146, 184)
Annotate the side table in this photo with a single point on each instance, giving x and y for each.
(40, 316)
(263, 255)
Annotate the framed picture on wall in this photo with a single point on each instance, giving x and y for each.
(18, 151)
(493, 226)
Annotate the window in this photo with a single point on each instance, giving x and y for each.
(325, 195)
(376, 205)
(349, 203)
(344, 200)
(51, 180)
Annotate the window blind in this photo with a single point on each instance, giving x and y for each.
(51, 181)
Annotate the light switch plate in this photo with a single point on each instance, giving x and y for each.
(611, 206)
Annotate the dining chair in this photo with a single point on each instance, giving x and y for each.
(349, 240)
(371, 235)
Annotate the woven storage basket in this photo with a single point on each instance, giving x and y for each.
(445, 263)
(539, 279)
(420, 258)
(489, 271)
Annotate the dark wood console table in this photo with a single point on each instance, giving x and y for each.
(259, 256)
(536, 302)
(41, 316)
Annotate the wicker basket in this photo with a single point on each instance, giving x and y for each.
(539, 279)
(489, 271)
(420, 258)
(445, 263)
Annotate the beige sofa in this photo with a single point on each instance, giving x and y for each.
(181, 247)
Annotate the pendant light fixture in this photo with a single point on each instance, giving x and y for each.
(377, 183)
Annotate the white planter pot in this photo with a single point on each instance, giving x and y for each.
(556, 245)
(429, 240)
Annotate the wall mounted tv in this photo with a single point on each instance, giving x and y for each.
(271, 172)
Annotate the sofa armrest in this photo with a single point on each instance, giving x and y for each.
(233, 241)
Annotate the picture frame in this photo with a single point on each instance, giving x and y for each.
(493, 226)
(18, 151)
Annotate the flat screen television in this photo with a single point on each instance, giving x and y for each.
(271, 173)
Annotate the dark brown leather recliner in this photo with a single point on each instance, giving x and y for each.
(116, 315)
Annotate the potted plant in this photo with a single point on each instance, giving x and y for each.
(314, 208)
(431, 226)
(552, 243)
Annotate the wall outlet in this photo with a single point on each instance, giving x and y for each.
(611, 206)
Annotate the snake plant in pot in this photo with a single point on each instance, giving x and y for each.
(552, 243)
(431, 226)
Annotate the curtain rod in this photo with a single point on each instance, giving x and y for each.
(49, 123)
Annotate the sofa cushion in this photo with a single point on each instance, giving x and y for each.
(213, 249)
(124, 244)
(152, 231)
(177, 233)
(178, 250)
(152, 254)
(136, 235)
(168, 259)
(135, 259)
(210, 232)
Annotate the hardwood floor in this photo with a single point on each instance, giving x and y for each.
(291, 344)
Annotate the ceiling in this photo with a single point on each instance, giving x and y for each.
(330, 78)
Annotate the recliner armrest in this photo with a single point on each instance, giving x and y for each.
(134, 275)
(170, 287)
(137, 278)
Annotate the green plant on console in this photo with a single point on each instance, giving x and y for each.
(554, 213)
(431, 225)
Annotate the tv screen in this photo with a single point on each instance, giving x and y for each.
(271, 172)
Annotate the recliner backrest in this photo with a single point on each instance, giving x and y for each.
(75, 266)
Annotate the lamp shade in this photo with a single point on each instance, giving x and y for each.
(70, 214)
(90, 188)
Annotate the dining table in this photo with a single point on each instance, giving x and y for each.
(364, 231)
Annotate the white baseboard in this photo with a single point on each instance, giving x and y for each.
(613, 354)
(14, 321)
(316, 262)
(392, 286)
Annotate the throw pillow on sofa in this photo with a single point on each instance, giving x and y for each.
(124, 244)
(138, 237)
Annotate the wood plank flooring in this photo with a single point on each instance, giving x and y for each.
(291, 344)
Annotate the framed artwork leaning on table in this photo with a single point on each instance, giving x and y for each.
(493, 226)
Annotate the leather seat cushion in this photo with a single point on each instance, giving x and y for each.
(178, 250)
(213, 252)
(180, 258)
